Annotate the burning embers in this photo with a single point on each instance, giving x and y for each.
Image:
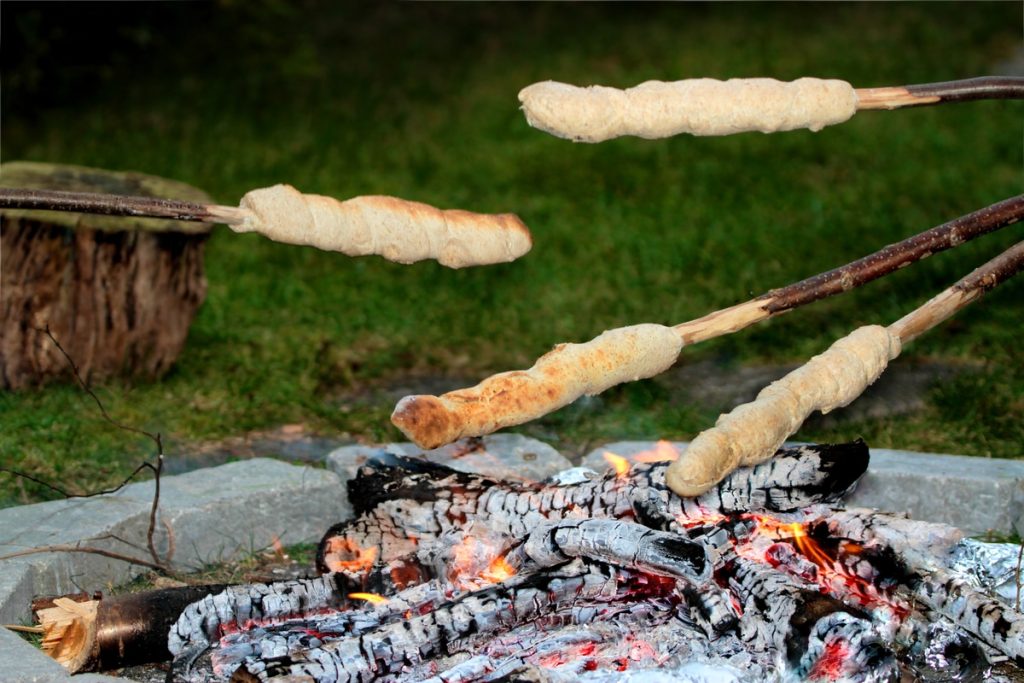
(446, 576)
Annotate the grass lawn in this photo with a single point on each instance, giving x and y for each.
(419, 101)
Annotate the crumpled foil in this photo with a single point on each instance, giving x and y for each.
(573, 475)
(989, 566)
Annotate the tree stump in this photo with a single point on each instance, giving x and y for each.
(118, 293)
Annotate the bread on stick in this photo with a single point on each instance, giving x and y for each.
(699, 106)
(570, 370)
(396, 229)
(752, 432)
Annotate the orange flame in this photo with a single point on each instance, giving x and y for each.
(498, 571)
(663, 451)
(808, 547)
(618, 463)
(278, 547)
(476, 560)
(356, 559)
(368, 597)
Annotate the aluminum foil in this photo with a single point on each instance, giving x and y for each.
(989, 566)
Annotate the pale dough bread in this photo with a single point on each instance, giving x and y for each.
(752, 432)
(699, 106)
(557, 378)
(396, 229)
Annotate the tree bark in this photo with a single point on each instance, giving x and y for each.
(118, 293)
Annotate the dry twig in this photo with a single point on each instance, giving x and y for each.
(157, 563)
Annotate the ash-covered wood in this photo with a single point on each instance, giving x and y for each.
(446, 576)
(397, 499)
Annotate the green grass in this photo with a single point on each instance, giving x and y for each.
(419, 101)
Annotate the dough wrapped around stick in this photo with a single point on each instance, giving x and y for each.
(399, 230)
(752, 432)
(559, 377)
(699, 106)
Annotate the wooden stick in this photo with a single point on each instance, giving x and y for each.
(751, 433)
(627, 354)
(118, 205)
(399, 230)
(984, 88)
(966, 290)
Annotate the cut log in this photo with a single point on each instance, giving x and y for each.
(118, 294)
(108, 633)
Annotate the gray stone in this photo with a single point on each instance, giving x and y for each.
(22, 662)
(506, 456)
(16, 591)
(214, 515)
(976, 495)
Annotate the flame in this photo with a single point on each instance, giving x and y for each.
(663, 451)
(476, 560)
(618, 463)
(808, 547)
(498, 571)
(278, 547)
(368, 597)
(356, 559)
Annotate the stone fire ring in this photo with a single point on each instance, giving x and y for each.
(222, 513)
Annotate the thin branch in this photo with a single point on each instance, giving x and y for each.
(17, 628)
(99, 404)
(751, 433)
(966, 290)
(984, 88)
(513, 398)
(151, 530)
(86, 549)
(157, 469)
(119, 205)
(68, 494)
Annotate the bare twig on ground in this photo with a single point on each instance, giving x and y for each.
(157, 563)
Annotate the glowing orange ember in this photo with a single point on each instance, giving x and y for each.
(478, 560)
(498, 571)
(368, 597)
(345, 555)
(618, 463)
(663, 451)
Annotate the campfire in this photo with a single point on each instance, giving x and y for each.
(449, 576)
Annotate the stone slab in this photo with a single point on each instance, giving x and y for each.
(977, 495)
(214, 514)
(22, 662)
(507, 456)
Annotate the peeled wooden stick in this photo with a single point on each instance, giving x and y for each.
(752, 432)
(572, 370)
(397, 229)
(705, 106)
